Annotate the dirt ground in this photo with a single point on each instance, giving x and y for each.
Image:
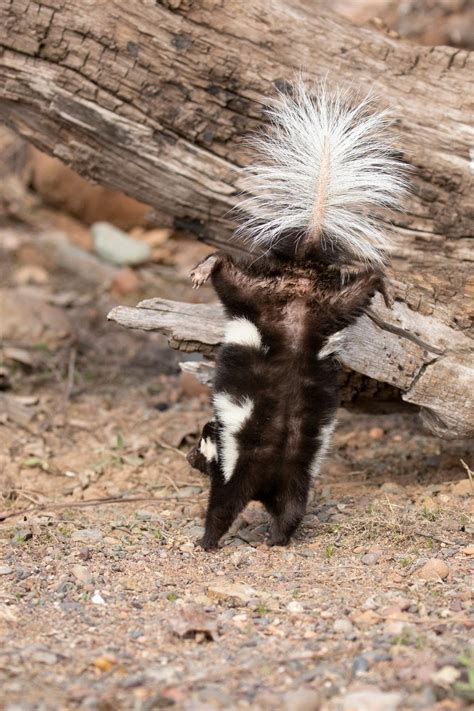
(106, 601)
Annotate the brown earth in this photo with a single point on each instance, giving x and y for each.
(111, 604)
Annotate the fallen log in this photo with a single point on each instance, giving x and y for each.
(395, 346)
(155, 98)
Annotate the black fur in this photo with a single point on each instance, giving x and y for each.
(296, 305)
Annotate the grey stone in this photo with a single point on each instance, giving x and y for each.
(5, 570)
(370, 558)
(42, 656)
(301, 700)
(87, 535)
(117, 247)
(360, 665)
(369, 700)
(343, 625)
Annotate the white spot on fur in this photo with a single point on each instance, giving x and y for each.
(324, 440)
(332, 345)
(208, 448)
(232, 416)
(243, 332)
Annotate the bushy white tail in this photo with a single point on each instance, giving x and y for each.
(327, 166)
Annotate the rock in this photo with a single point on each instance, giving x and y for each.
(343, 625)
(366, 619)
(196, 531)
(360, 665)
(295, 607)
(368, 700)
(43, 656)
(25, 319)
(395, 628)
(446, 676)
(31, 274)
(451, 524)
(117, 247)
(84, 553)
(87, 535)
(301, 700)
(105, 663)
(463, 488)
(61, 187)
(370, 558)
(237, 592)
(125, 282)
(187, 547)
(191, 621)
(468, 550)
(154, 238)
(433, 569)
(82, 574)
(97, 598)
(376, 433)
(5, 570)
(391, 487)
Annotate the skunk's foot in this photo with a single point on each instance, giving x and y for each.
(208, 544)
(202, 271)
(279, 539)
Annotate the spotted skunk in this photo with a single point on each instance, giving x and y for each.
(327, 165)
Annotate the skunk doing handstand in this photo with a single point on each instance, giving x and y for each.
(327, 165)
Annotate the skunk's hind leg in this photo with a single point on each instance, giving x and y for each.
(287, 513)
(226, 501)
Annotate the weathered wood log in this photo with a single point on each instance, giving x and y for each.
(154, 99)
(395, 346)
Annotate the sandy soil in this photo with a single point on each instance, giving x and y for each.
(110, 604)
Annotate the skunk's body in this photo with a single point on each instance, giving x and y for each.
(276, 391)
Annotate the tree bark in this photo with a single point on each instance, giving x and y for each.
(154, 99)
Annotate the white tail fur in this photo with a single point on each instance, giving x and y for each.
(326, 168)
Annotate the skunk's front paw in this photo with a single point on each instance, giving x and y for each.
(202, 271)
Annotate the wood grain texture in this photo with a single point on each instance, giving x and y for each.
(433, 369)
(155, 99)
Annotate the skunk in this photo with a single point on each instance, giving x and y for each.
(326, 168)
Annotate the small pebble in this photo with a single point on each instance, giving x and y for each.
(43, 657)
(433, 569)
(97, 598)
(343, 625)
(360, 665)
(82, 574)
(301, 700)
(87, 535)
(295, 606)
(391, 487)
(369, 700)
(5, 570)
(446, 676)
(370, 558)
(376, 433)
